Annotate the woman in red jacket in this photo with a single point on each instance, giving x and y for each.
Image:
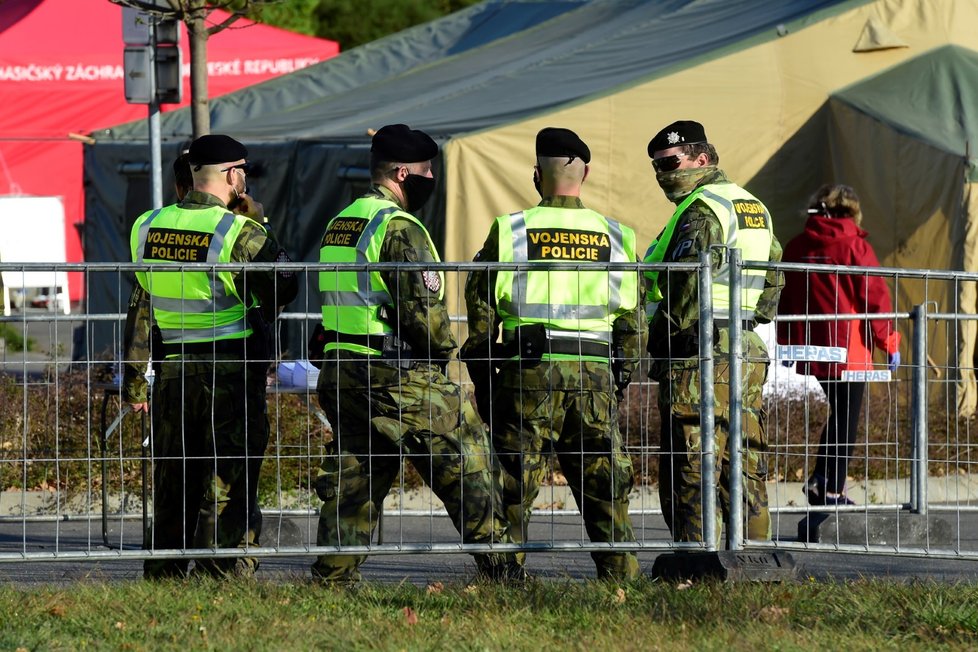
(832, 237)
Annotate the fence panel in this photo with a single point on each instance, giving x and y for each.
(77, 465)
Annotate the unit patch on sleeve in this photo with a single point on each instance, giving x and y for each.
(568, 244)
(432, 280)
(344, 232)
(750, 214)
(177, 245)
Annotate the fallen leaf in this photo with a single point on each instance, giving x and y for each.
(435, 587)
(619, 596)
(682, 586)
(57, 610)
(410, 616)
(771, 614)
(120, 625)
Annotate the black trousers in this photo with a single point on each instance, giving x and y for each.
(839, 435)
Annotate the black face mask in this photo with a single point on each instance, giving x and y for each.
(417, 190)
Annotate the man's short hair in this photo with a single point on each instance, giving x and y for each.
(694, 150)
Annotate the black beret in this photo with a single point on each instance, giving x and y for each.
(556, 141)
(216, 148)
(682, 132)
(401, 144)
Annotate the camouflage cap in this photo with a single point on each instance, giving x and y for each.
(681, 132)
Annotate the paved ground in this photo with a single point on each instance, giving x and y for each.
(420, 569)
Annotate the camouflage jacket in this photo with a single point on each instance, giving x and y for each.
(255, 243)
(628, 329)
(674, 329)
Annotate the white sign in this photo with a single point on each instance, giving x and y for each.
(33, 232)
(808, 353)
(870, 376)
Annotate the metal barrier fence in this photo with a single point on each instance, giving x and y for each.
(76, 465)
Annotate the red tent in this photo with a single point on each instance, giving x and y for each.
(61, 72)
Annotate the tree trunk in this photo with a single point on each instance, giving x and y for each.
(199, 103)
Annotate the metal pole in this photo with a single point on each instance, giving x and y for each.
(707, 402)
(735, 527)
(918, 411)
(155, 156)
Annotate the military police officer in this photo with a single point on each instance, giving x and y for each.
(210, 353)
(556, 388)
(711, 212)
(383, 383)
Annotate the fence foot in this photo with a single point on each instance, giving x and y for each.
(726, 566)
(886, 529)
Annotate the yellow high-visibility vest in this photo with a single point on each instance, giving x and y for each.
(191, 306)
(579, 304)
(352, 299)
(746, 224)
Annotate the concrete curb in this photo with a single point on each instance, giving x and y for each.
(954, 490)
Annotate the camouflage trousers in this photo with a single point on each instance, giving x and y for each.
(422, 418)
(680, 461)
(580, 425)
(210, 430)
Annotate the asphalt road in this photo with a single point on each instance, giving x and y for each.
(424, 568)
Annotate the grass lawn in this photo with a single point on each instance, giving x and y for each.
(301, 615)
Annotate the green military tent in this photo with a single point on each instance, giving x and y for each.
(793, 93)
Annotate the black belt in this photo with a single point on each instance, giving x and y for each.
(746, 324)
(234, 347)
(562, 347)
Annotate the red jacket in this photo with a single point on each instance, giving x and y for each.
(835, 241)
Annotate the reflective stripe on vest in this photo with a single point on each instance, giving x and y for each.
(573, 304)
(352, 299)
(193, 305)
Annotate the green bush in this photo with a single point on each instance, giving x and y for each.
(15, 338)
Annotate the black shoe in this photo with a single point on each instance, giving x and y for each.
(815, 490)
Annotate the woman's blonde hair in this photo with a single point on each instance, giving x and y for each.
(836, 201)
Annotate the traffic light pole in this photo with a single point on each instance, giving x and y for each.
(155, 155)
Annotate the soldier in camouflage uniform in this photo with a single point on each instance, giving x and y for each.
(387, 340)
(209, 421)
(562, 396)
(711, 211)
